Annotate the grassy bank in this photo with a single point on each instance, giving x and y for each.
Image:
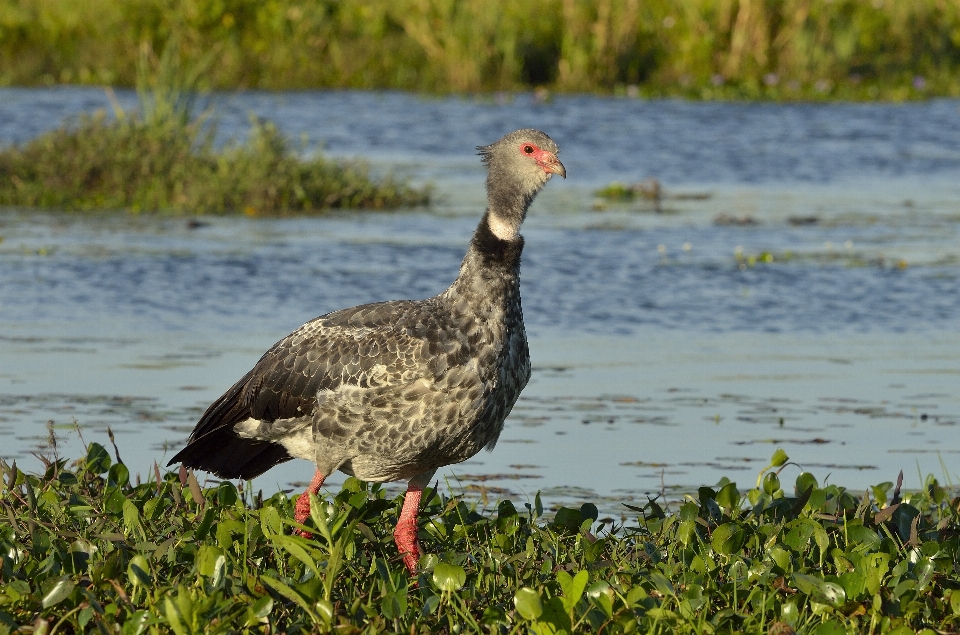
(83, 549)
(98, 163)
(162, 158)
(781, 49)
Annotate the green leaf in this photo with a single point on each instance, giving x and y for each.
(874, 568)
(118, 475)
(833, 593)
(528, 603)
(820, 590)
(131, 515)
(270, 521)
(805, 481)
(98, 459)
(601, 595)
(567, 518)
(662, 583)
(205, 524)
(779, 458)
(287, 592)
(687, 532)
(554, 619)
(138, 571)
(572, 587)
(259, 611)
(136, 623)
(955, 602)
(392, 605)
(325, 608)
(780, 556)
(59, 592)
(727, 539)
(172, 613)
(729, 496)
(771, 483)
(294, 546)
(209, 560)
(449, 577)
(830, 627)
(924, 570)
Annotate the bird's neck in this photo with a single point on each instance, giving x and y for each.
(491, 269)
(507, 202)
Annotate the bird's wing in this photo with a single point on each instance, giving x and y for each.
(367, 347)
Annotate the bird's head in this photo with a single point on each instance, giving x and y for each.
(519, 164)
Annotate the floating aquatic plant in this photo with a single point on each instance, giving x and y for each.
(82, 549)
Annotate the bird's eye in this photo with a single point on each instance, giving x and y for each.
(528, 149)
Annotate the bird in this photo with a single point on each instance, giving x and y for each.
(395, 390)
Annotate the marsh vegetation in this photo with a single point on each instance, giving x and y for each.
(84, 548)
(163, 157)
(795, 49)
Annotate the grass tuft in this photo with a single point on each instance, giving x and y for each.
(162, 158)
(97, 163)
(82, 549)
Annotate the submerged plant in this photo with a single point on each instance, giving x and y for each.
(84, 549)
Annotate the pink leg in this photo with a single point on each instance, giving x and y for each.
(302, 510)
(405, 535)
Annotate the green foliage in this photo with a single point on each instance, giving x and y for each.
(84, 550)
(163, 159)
(98, 163)
(707, 49)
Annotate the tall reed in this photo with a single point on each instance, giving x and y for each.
(775, 48)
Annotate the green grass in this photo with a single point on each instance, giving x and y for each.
(98, 163)
(701, 49)
(84, 550)
(162, 158)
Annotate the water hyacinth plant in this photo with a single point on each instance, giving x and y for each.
(163, 158)
(82, 549)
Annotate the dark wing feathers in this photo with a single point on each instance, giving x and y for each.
(365, 346)
(216, 448)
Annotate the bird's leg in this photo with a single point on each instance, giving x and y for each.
(302, 510)
(405, 535)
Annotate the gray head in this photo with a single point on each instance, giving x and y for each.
(518, 165)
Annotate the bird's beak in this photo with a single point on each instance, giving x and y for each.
(551, 164)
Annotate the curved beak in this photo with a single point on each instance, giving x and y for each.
(551, 164)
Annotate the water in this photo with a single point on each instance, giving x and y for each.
(664, 356)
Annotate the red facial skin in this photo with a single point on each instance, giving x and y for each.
(547, 161)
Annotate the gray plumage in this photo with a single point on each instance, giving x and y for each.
(394, 390)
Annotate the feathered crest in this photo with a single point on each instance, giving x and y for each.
(485, 152)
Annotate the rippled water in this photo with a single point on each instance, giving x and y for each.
(667, 353)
